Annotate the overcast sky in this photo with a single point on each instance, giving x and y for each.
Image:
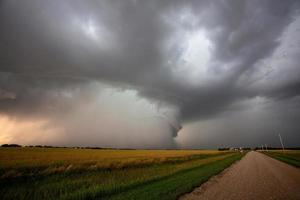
(150, 74)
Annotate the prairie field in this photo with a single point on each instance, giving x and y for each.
(69, 173)
(291, 157)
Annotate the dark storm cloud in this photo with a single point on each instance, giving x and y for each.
(49, 49)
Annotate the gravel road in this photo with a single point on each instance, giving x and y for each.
(256, 176)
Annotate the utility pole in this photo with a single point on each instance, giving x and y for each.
(281, 142)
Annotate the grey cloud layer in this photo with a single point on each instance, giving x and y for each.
(48, 48)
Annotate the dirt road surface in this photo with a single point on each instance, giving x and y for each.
(256, 176)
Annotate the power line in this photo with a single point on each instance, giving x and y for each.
(281, 142)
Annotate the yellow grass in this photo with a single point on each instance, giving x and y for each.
(67, 173)
(51, 160)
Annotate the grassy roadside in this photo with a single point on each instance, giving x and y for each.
(31, 176)
(173, 186)
(291, 157)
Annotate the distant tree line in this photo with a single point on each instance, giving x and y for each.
(234, 148)
(49, 146)
(277, 148)
(223, 149)
(219, 149)
(11, 145)
(257, 148)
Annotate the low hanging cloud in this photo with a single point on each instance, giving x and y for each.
(96, 115)
(149, 74)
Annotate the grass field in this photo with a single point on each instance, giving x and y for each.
(66, 173)
(291, 157)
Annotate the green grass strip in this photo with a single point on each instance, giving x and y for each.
(172, 187)
(286, 159)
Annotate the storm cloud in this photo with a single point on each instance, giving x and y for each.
(150, 74)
